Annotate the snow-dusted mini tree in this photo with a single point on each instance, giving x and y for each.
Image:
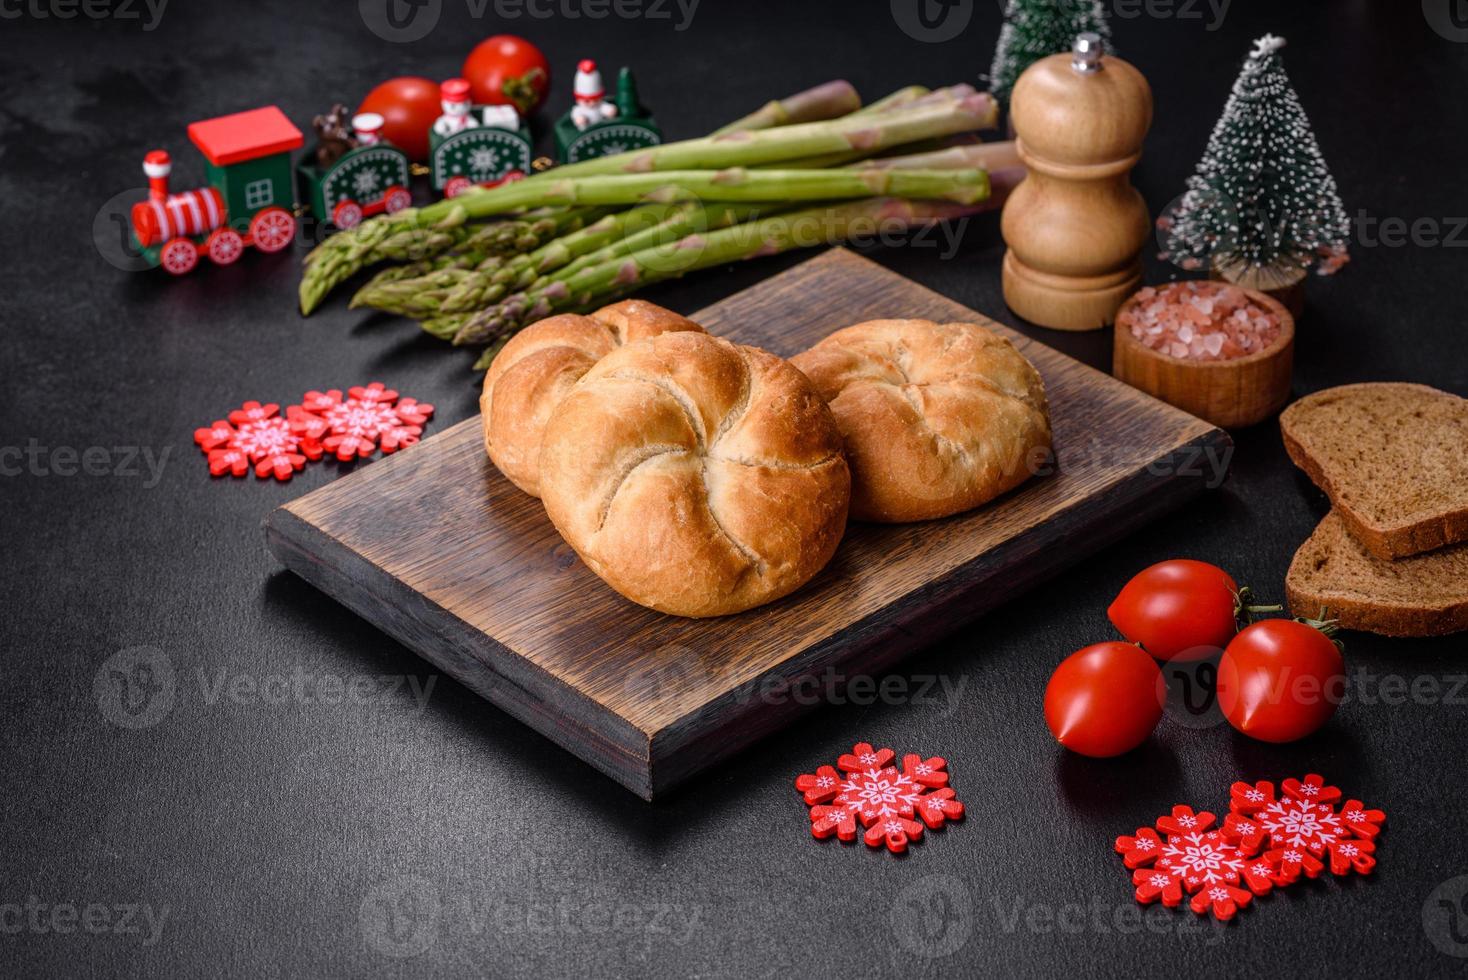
(1034, 29)
(1262, 207)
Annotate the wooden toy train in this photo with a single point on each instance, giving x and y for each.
(352, 172)
(246, 201)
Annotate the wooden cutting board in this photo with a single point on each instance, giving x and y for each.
(439, 550)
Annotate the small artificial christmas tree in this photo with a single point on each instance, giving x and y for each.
(1034, 29)
(1262, 207)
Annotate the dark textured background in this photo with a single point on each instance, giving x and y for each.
(304, 838)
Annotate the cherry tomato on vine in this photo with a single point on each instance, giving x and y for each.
(1104, 699)
(1178, 610)
(408, 107)
(1280, 679)
(507, 70)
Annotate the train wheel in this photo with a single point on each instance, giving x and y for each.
(272, 229)
(346, 215)
(224, 245)
(396, 198)
(457, 186)
(178, 256)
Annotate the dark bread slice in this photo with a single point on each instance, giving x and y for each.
(1425, 595)
(1393, 458)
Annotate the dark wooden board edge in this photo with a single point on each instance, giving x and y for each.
(499, 675)
(938, 607)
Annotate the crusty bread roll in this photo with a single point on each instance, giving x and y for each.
(937, 417)
(695, 476)
(533, 372)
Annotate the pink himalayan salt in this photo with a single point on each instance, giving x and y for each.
(1199, 320)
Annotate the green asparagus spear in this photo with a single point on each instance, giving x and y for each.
(799, 229)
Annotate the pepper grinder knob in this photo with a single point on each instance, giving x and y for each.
(1086, 52)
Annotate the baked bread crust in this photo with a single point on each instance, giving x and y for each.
(1424, 595)
(540, 364)
(695, 476)
(1392, 457)
(937, 418)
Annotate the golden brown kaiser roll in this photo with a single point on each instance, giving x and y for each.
(533, 372)
(695, 476)
(937, 417)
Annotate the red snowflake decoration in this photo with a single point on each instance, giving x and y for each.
(1266, 841)
(256, 436)
(892, 805)
(1300, 828)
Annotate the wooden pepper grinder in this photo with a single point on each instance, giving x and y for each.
(1075, 226)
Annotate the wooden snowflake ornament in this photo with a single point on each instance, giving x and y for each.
(255, 436)
(1266, 841)
(893, 805)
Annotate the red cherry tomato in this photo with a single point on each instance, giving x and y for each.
(1280, 680)
(408, 107)
(1177, 610)
(507, 70)
(1104, 699)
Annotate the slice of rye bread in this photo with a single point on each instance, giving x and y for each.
(1425, 595)
(1393, 458)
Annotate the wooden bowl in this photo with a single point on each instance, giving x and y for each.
(1230, 394)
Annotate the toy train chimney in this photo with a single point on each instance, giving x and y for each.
(158, 165)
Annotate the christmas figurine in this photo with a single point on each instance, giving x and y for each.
(591, 99)
(333, 135)
(457, 110)
(351, 176)
(595, 126)
(471, 145)
(245, 202)
(367, 128)
(1261, 208)
(1034, 29)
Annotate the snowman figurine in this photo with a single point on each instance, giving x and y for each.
(457, 108)
(591, 105)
